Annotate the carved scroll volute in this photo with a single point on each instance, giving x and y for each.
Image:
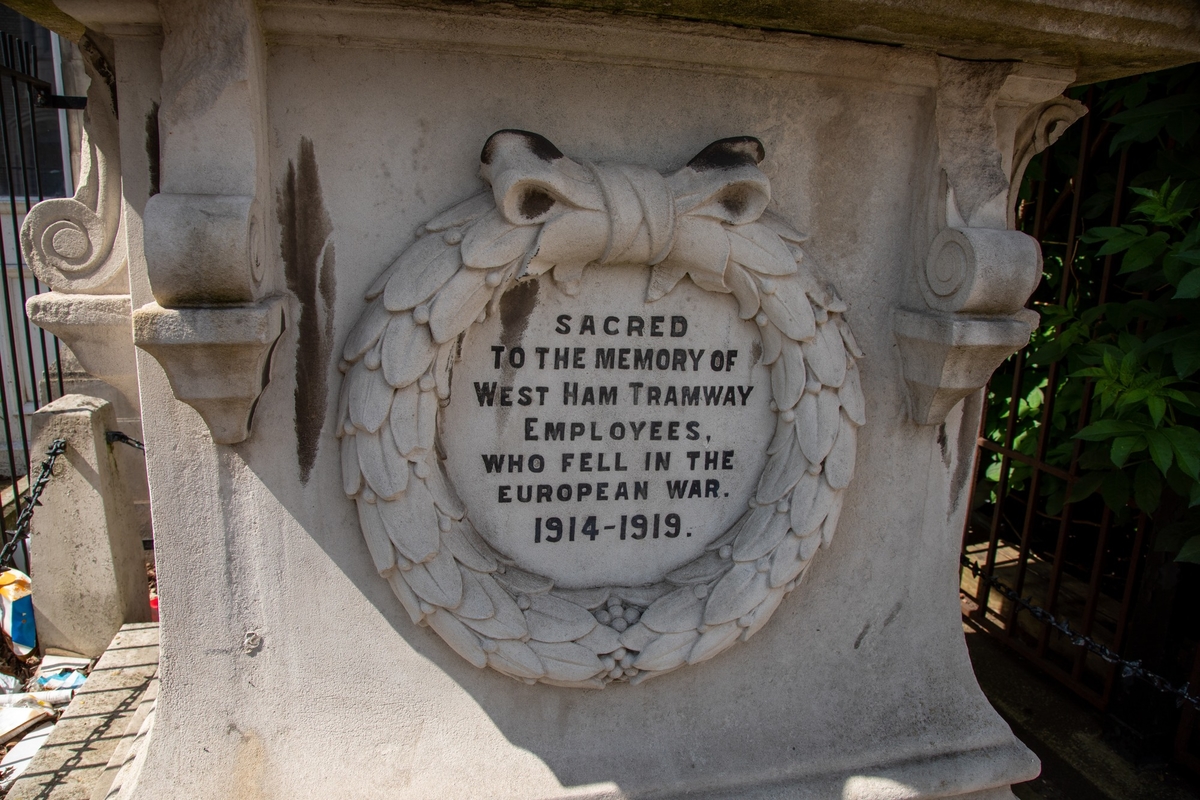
(217, 316)
(977, 273)
(72, 244)
(76, 246)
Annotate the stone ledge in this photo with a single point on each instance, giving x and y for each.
(77, 753)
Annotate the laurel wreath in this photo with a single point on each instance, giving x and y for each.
(397, 365)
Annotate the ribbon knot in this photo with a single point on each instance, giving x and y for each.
(620, 213)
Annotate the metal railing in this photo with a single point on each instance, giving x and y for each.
(1082, 566)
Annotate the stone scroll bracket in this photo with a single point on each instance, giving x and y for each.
(77, 245)
(218, 310)
(964, 312)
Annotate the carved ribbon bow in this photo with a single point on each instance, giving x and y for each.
(565, 215)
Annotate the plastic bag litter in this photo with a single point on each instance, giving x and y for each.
(17, 605)
(61, 678)
(9, 684)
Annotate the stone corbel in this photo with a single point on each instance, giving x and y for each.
(976, 274)
(217, 312)
(76, 246)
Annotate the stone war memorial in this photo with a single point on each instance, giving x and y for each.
(565, 399)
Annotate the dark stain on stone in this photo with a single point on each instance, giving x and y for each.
(943, 444)
(309, 262)
(862, 635)
(515, 307)
(152, 156)
(737, 151)
(756, 351)
(735, 201)
(534, 203)
(895, 612)
(537, 144)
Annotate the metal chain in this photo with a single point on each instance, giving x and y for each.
(1129, 669)
(123, 438)
(21, 530)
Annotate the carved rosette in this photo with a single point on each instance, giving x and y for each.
(548, 214)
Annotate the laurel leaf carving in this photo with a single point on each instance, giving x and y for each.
(519, 581)
(758, 247)
(516, 659)
(637, 636)
(386, 477)
(667, 651)
(663, 278)
(475, 602)
(437, 581)
(642, 595)
(744, 291)
(702, 570)
(763, 613)
(426, 422)
(839, 467)
(784, 433)
(508, 622)
(781, 228)
(678, 611)
(407, 598)
(829, 526)
(378, 544)
(787, 306)
(458, 304)
(701, 250)
(713, 641)
(566, 661)
(442, 366)
(851, 397)
(407, 351)
(552, 619)
(370, 397)
(444, 496)
(772, 342)
(462, 213)
(785, 562)
(804, 497)
(788, 376)
(458, 637)
(351, 474)
(368, 330)
(808, 546)
(412, 523)
(848, 336)
(817, 423)
(780, 474)
(601, 639)
(420, 273)
(584, 598)
(403, 417)
(465, 545)
(492, 241)
(754, 543)
(742, 588)
(826, 356)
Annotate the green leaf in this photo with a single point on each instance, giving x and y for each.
(1115, 489)
(1160, 450)
(1189, 287)
(1124, 446)
(1107, 429)
(1147, 487)
(1143, 253)
(1185, 442)
(1190, 552)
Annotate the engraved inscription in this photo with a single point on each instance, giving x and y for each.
(611, 440)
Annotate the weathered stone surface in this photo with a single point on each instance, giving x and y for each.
(75, 759)
(85, 543)
(361, 124)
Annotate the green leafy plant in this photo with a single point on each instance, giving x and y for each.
(1121, 346)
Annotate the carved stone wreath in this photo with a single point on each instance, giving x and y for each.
(547, 213)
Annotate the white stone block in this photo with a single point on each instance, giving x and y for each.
(86, 560)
